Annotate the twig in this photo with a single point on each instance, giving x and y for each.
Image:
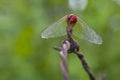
(69, 46)
(85, 65)
(63, 54)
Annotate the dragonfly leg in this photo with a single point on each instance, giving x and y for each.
(73, 46)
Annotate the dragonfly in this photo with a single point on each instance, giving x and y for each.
(80, 29)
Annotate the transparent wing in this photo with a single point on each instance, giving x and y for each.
(84, 32)
(56, 29)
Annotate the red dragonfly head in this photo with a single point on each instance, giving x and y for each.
(71, 19)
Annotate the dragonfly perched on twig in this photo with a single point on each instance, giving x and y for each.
(81, 29)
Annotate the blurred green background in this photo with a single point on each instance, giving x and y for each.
(24, 55)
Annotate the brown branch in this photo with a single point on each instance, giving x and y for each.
(63, 54)
(85, 65)
(69, 46)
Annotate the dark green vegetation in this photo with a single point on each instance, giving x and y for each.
(24, 55)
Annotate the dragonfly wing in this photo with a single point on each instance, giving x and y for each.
(86, 33)
(56, 29)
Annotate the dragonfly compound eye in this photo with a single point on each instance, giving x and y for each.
(72, 18)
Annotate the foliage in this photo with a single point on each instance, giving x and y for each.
(24, 55)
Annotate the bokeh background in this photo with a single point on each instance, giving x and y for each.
(24, 55)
